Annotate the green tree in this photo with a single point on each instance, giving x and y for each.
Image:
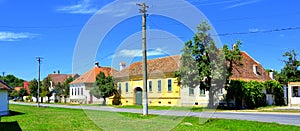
(13, 81)
(33, 86)
(23, 92)
(58, 89)
(104, 87)
(275, 88)
(290, 72)
(205, 65)
(14, 93)
(66, 88)
(46, 88)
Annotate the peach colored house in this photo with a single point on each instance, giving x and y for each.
(80, 87)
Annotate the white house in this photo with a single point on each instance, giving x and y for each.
(4, 108)
(294, 94)
(80, 87)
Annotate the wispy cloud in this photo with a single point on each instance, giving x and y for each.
(241, 4)
(11, 36)
(254, 30)
(82, 7)
(137, 53)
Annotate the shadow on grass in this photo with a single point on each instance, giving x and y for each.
(10, 126)
(15, 113)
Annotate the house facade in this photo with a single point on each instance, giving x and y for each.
(163, 87)
(293, 94)
(249, 69)
(80, 87)
(4, 104)
(57, 78)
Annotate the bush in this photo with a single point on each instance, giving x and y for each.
(116, 99)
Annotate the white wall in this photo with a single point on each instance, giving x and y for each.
(4, 103)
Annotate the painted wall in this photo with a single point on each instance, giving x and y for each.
(4, 103)
(83, 96)
(155, 97)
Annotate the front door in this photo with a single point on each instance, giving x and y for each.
(138, 96)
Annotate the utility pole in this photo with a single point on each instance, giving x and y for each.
(143, 10)
(3, 74)
(39, 77)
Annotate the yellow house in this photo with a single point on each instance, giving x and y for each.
(163, 88)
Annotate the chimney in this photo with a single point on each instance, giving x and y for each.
(122, 65)
(97, 64)
(54, 72)
(271, 74)
(58, 71)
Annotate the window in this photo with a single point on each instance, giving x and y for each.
(81, 91)
(150, 86)
(72, 91)
(126, 87)
(75, 91)
(120, 88)
(78, 91)
(191, 91)
(169, 85)
(159, 85)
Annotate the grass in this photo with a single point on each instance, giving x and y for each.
(47, 118)
(195, 109)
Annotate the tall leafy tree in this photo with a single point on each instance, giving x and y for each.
(105, 87)
(13, 81)
(46, 88)
(58, 88)
(66, 88)
(23, 92)
(290, 72)
(203, 64)
(33, 86)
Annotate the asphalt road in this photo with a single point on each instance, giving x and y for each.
(282, 118)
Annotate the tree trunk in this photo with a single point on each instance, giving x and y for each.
(104, 101)
(65, 99)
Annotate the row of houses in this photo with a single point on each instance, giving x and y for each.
(163, 87)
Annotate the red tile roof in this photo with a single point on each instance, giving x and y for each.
(60, 78)
(90, 76)
(167, 64)
(246, 73)
(171, 64)
(4, 86)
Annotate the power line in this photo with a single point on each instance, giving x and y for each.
(259, 31)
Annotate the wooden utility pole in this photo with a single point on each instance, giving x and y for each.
(39, 77)
(143, 10)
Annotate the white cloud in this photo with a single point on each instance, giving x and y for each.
(83, 7)
(11, 36)
(242, 4)
(254, 30)
(138, 53)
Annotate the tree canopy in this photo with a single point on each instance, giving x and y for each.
(290, 72)
(13, 81)
(204, 64)
(104, 87)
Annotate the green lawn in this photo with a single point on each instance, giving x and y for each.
(195, 109)
(47, 118)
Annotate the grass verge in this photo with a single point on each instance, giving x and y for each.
(47, 118)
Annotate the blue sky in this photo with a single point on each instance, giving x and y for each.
(50, 29)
